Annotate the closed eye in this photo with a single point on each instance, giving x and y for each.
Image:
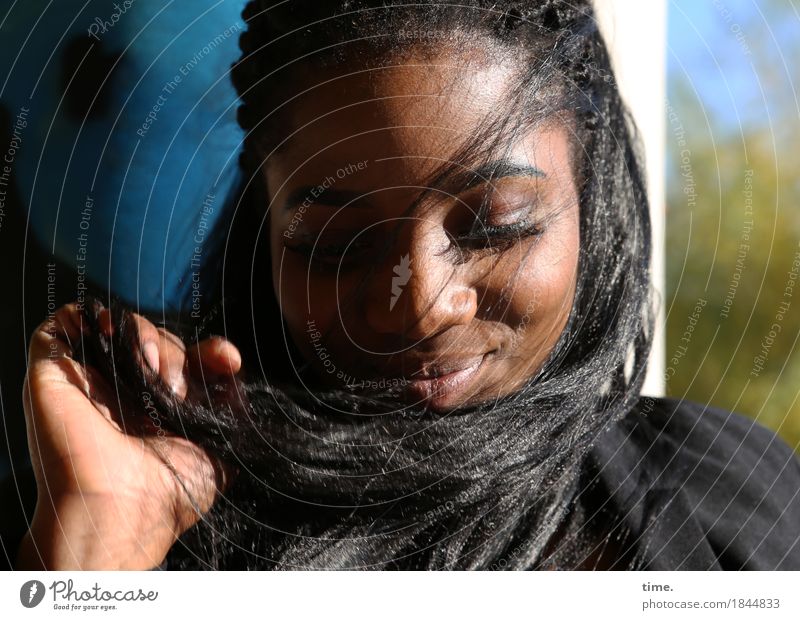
(341, 251)
(498, 238)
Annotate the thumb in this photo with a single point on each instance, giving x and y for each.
(215, 356)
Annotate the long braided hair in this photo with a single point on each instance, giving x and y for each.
(336, 479)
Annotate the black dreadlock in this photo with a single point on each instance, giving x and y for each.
(481, 487)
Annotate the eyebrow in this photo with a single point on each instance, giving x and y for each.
(461, 181)
(494, 171)
(329, 197)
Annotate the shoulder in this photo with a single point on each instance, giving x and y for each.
(702, 486)
(721, 440)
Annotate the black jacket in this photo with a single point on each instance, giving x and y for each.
(701, 488)
(692, 487)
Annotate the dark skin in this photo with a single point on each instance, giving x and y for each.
(500, 304)
(472, 321)
(106, 499)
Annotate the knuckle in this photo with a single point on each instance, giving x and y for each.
(171, 339)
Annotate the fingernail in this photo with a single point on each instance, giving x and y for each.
(235, 359)
(150, 350)
(105, 323)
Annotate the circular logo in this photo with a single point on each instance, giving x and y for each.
(31, 593)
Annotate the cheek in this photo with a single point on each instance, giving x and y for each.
(288, 283)
(307, 299)
(542, 293)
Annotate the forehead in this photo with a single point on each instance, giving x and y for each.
(421, 107)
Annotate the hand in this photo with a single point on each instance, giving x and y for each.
(108, 500)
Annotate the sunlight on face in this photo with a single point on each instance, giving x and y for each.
(385, 279)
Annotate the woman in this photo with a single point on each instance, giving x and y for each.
(445, 370)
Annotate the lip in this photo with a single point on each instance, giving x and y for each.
(440, 387)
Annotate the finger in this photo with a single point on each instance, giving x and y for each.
(214, 356)
(209, 476)
(172, 357)
(164, 353)
(148, 339)
(58, 336)
(105, 323)
(102, 396)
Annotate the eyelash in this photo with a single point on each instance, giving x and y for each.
(499, 237)
(328, 256)
(485, 238)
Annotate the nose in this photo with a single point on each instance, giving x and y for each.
(416, 291)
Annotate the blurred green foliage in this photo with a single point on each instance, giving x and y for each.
(733, 234)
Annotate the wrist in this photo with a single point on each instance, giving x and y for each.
(79, 533)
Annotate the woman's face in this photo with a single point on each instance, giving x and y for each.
(373, 266)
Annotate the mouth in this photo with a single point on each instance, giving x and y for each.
(441, 387)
